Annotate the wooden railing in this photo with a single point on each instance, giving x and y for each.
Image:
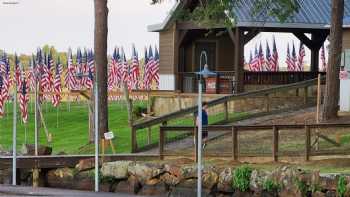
(264, 93)
(234, 131)
(188, 80)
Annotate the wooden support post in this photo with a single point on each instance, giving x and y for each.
(36, 177)
(234, 143)
(305, 95)
(112, 146)
(133, 140)
(267, 103)
(307, 143)
(103, 148)
(161, 143)
(226, 111)
(275, 143)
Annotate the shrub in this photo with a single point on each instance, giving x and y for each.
(271, 186)
(138, 110)
(341, 186)
(241, 178)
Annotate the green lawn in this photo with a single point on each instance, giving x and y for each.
(72, 130)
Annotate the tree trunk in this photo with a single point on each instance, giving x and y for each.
(101, 31)
(331, 99)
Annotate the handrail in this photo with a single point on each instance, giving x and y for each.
(222, 100)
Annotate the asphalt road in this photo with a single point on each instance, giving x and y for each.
(29, 191)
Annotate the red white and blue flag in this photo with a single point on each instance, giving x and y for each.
(57, 89)
(289, 60)
(148, 72)
(261, 59)
(90, 68)
(70, 80)
(135, 69)
(2, 99)
(294, 59)
(24, 98)
(274, 59)
(268, 63)
(300, 65)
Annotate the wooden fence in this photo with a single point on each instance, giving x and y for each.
(264, 93)
(235, 130)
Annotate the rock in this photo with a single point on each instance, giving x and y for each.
(170, 179)
(328, 181)
(187, 192)
(173, 170)
(29, 149)
(209, 179)
(347, 193)
(286, 176)
(86, 164)
(131, 186)
(158, 189)
(225, 181)
(318, 194)
(188, 172)
(61, 178)
(257, 179)
(145, 172)
(188, 183)
(117, 169)
(331, 194)
(242, 194)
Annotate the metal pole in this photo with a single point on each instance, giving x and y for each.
(96, 134)
(14, 140)
(36, 117)
(199, 146)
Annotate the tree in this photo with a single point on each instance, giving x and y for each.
(331, 98)
(100, 42)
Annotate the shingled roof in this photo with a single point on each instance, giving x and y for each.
(313, 14)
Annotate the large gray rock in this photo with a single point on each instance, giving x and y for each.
(145, 172)
(117, 169)
(257, 179)
(188, 172)
(209, 179)
(225, 181)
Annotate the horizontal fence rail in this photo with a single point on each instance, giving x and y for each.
(234, 131)
(189, 113)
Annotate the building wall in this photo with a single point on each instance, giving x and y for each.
(346, 38)
(166, 51)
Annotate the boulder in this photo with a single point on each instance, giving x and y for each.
(86, 164)
(188, 172)
(188, 183)
(29, 149)
(131, 186)
(117, 169)
(173, 170)
(257, 179)
(156, 189)
(169, 179)
(209, 179)
(225, 181)
(328, 181)
(145, 172)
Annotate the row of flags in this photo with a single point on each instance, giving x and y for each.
(269, 62)
(47, 73)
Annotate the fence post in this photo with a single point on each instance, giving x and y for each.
(133, 140)
(234, 143)
(161, 143)
(275, 143)
(305, 94)
(307, 143)
(267, 103)
(226, 111)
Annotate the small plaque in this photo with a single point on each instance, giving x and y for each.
(109, 135)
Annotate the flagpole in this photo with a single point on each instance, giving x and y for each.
(57, 115)
(96, 135)
(14, 139)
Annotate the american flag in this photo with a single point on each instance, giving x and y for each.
(113, 71)
(125, 66)
(148, 72)
(3, 64)
(6, 79)
(17, 76)
(31, 75)
(2, 100)
(84, 70)
(255, 61)
(261, 59)
(79, 69)
(135, 69)
(323, 59)
(294, 58)
(301, 56)
(56, 98)
(289, 60)
(90, 67)
(155, 68)
(250, 66)
(70, 80)
(24, 99)
(274, 62)
(268, 63)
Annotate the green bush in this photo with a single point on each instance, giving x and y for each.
(271, 186)
(241, 178)
(302, 187)
(138, 110)
(341, 186)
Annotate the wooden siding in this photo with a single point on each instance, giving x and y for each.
(346, 39)
(167, 52)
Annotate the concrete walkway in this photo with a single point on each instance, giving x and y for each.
(30, 191)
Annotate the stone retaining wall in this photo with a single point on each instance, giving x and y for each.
(154, 179)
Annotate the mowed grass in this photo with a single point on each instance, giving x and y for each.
(68, 126)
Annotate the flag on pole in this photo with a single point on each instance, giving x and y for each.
(300, 65)
(250, 63)
(24, 99)
(79, 69)
(56, 98)
(261, 59)
(294, 58)
(3, 64)
(90, 67)
(148, 72)
(125, 66)
(255, 62)
(289, 60)
(268, 63)
(6, 79)
(2, 100)
(31, 74)
(274, 61)
(17, 75)
(135, 69)
(70, 80)
(155, 67)
(323, 60)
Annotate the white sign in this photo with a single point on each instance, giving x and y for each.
(109, 135)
